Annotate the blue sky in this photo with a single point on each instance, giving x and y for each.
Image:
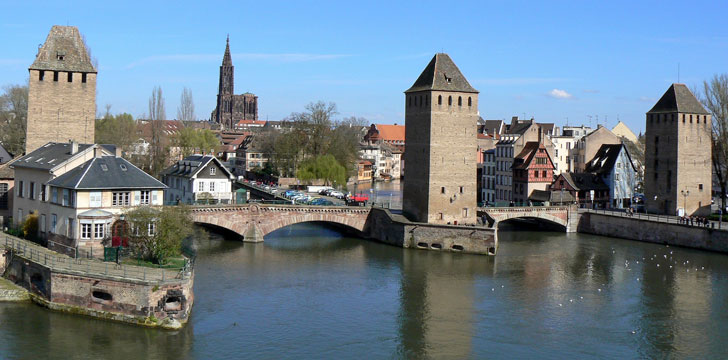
(552, 61)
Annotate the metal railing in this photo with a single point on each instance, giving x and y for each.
(61, 263)
(668, 219)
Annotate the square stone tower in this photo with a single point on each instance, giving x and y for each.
(678, 155)
(441, 121)
(61, 91)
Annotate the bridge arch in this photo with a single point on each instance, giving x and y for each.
(558, 215)
(254, 221)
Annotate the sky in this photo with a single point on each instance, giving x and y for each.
(566, 62)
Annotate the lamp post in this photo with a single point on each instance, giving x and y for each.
(685, 194)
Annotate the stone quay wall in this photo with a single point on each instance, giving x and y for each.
(396, 230)
(94, 288)
(633, 228)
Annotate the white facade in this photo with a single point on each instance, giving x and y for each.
(563, 148)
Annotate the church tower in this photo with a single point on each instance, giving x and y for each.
(61, 91)
(678, 155)
(441, 115)
(223, 113)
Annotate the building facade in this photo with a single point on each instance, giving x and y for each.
(533, 169)
(198, 179)
(441, 114)
(678, 155)
(231, 108)
(588, 145)
(61, 91)
(614, 165)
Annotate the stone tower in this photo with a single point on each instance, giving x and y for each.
(441, 114)
(678, 155)
(232, 108)
(61, 91)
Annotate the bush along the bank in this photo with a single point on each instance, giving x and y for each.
(156, 234)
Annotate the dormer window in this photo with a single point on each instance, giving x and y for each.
(123, 167)
(60, 55)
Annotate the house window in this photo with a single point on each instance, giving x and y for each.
(31, 191)
(213, 170)
(120, 198)
(616, 177)
(42, 223)
(66, 197)
(94, 199)
(212, 186)
(151, 229)
(201, 186)
(85, 231)
(43, 195)
(20, 188)
(98, 231)
(70, 228)
(54, 222)
(4, 196)
(144, 197)
(54, 195)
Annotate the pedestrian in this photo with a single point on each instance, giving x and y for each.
(691, 221)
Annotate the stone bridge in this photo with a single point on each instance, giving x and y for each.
(253, 221)
(566, 216)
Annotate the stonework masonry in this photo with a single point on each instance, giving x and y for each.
(61, 91)
(441, 114)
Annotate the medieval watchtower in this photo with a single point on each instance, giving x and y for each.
(678, 155)
(61, 91)
(441, 114)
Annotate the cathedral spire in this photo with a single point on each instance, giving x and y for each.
(226, 59)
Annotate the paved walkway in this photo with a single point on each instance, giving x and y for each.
(717, 225)
(87, 267)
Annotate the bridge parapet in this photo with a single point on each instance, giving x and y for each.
(561, 215)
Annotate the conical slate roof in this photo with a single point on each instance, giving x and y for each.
(443, 75)
(678, 98)
(226, 59)
(63, 50)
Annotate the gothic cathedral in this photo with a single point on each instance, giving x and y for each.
(232, 108)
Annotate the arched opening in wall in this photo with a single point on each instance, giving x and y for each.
(470, 101)
(220, 231)
(534, 224)
(101, 296)
(319, 235)
(460, 101)
(173, 303)
(37, 283)
(439, 99)
(449, 100)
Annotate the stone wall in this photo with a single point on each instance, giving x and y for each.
(396, 230)
(654, 232)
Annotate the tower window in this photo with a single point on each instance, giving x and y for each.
(683, 118)
(449, 100)
(442, 190)
(409, 101)
(470, 101)
(460, 101)
(439, 99)
(41, 75)
(55, 76)
(462, 189)
(83, 77)
(691, 119)
(70, 76)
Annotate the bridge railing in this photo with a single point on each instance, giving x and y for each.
(61, 263)
(668, 219)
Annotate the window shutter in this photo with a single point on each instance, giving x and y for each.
(136, 198)
(154, 197)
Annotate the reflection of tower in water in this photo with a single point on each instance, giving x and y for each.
(437, 303)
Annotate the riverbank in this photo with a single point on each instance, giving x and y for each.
(10, 292)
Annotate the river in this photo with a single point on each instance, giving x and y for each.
(309, 292)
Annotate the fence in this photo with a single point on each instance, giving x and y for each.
(659, 218)
(61, 263)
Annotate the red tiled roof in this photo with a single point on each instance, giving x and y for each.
(391, 132)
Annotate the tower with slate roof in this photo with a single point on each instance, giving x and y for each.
(61, 91)
(678, 155)
(441, 115)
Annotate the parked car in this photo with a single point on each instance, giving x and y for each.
(337, 194)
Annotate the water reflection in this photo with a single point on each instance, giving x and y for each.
(311, 292)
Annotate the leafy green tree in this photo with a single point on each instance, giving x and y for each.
(119, 130)
(193, 141)
(157, 234)
(30, 226)
(324, 167)
(13, 118)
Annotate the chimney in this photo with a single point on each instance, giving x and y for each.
(74, 147)
(97, 151)
(117, 151)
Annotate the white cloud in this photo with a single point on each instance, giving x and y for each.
(559, 94)
(197, 58)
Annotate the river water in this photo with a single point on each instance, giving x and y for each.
(309, 292)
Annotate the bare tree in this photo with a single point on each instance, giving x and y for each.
(715, 99)
(13, 118)
(186, 109)
(157, 150)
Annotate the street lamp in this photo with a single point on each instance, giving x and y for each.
(685, 194)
